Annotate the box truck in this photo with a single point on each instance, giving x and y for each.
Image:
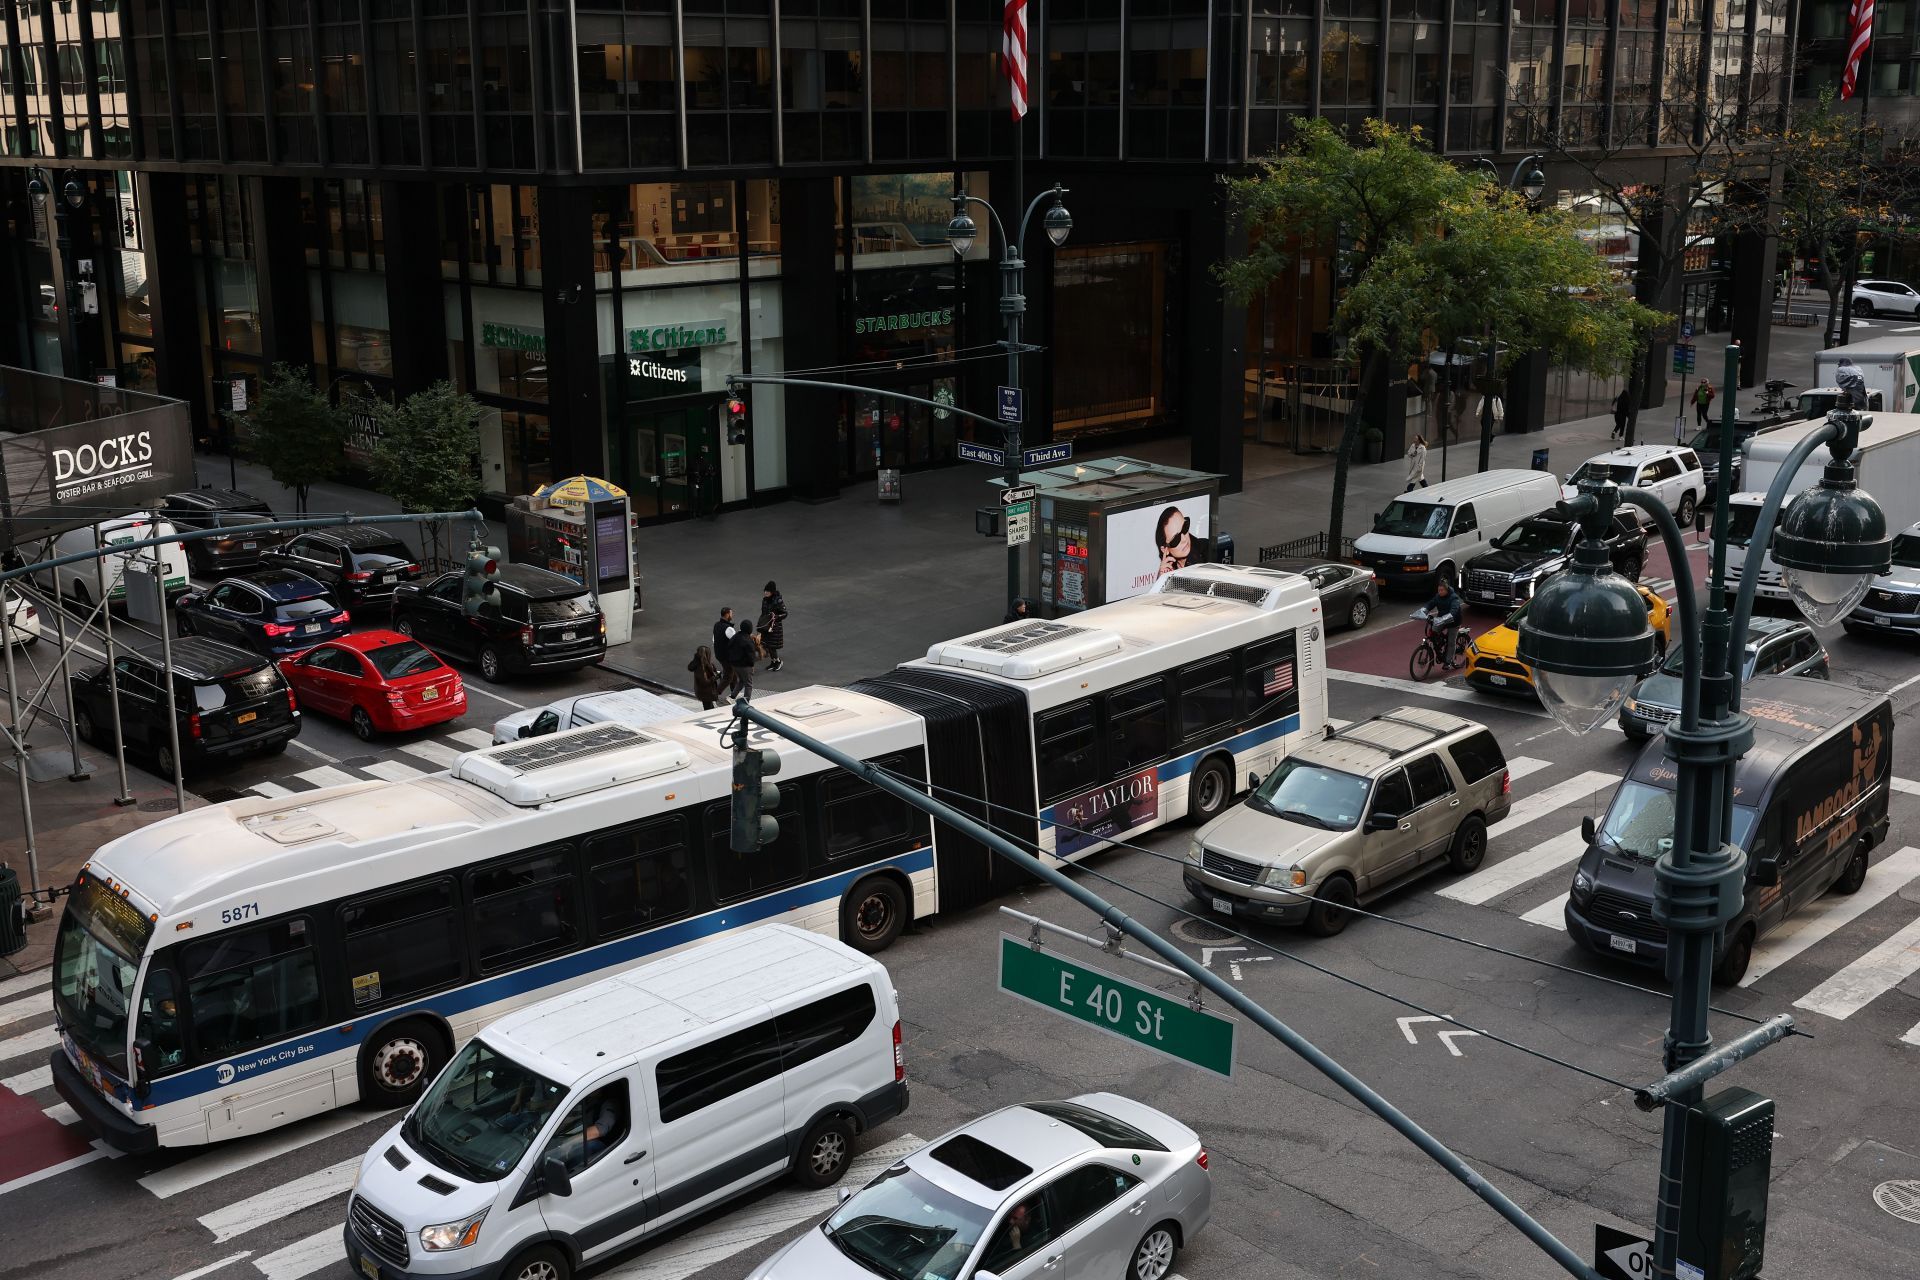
(1891, 366)
(1886, 465)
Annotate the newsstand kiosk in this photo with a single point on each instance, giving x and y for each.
(1108, 528)
(582, 527)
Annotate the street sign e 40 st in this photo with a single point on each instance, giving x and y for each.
(1151, 1019)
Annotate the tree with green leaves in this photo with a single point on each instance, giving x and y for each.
(293, 432)
(1388, 190)
(427, 454)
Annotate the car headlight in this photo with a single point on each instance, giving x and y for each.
(452, 1235)
(1631, 704)
(1194, 851)
(1284, 877)
(1582, 885)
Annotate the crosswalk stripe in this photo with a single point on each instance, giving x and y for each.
(302, 1257)
(25, 982)
(242, 1153)
(271, 790)
(61, 1113)
(21, 1011)
(29, 1042)
(1906, 786)
(1872, 975)
(438, 754)
(706, 1245)
(1551, 913)
(28, 1082)
(1485, 885)
(1913, 1036)
(326, 776)
(284, 1200)
(1565, 792)
(1433, 689)
(53, 1170)
(472, 737)
(212, 1267)
(1521, 766)
(394, 770)
(1884, 879)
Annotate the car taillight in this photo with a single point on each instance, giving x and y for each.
(193, 724)
(409, 569)
(1201, 1159)
(526, 635)
(1506, 782)
(360, 576)
(899, 1057)
(32, 613)
(341, 618)
(396, 697)
(278, 628)
(291, 704)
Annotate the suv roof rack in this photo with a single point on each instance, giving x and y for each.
(1428, 734)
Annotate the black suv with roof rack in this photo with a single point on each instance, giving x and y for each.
(229, 704)
(1527, 554)
(358, 564)
(531, 620)
(221, 509)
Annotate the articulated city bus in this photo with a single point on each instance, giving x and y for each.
(234, 968)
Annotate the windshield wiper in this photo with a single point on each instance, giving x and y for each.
(864, 1262)
(1301, 815)
(416, 1135)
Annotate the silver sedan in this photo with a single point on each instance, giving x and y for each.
(1092, 1188)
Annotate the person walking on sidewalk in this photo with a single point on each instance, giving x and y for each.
(708, 677)
(723, 633)
(773, 624)
(1417, 465)
(1703, 403)
(1622, 407)
(743, 654)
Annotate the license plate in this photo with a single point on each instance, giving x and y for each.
(567, 635)
(1501, 680)
(246, 717)
(429, 694)
(369, 1268)
(249, 546)
(1223, 906)
(1619, 943)
(388, 577)
(1869, 616)
(311, 628)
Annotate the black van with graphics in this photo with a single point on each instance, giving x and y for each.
(1809, 805)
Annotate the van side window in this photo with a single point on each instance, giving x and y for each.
(594, 1126)
(249, 986)
(1478, 756)
(716, 1070)
(744, 875)
(400, 944)
(817, 1029)
(522, 908)
(1429, 779)
(638, 877)
(1067, 750)
(1464, 520)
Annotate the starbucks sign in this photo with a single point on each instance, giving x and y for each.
(939, 317)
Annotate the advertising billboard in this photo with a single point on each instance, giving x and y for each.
(1147, 543)
(72, 476)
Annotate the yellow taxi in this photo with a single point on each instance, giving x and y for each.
(1493, 660)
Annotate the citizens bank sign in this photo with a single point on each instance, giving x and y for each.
(68, 477)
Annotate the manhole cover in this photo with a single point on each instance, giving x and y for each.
(156, 806)
(1199, 932)
(1901, 1198)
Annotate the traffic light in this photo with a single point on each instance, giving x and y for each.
(752, 796)
(478, 579)
(736, 420)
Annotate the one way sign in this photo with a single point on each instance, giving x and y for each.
(1620, 1256)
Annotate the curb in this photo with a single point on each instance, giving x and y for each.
(646, 682)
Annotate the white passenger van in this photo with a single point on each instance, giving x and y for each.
(80, 581)
(1426, 535)
(577, 1126)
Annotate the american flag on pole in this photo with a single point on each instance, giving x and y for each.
(1013, 51)
(1860, 25)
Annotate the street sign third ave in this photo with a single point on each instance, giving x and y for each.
(1165, 1024)
(1041, 454)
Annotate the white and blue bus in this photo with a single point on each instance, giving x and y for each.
(237, 967)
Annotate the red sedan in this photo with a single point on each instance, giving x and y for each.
(377, 681)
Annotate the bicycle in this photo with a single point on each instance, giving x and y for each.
(1426, 654)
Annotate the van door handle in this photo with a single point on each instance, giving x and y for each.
(1454, 803)
(635, 1156)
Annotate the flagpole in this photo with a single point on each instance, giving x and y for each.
(1864, 83)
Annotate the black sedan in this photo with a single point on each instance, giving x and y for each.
(1349, 593)
(274, 612)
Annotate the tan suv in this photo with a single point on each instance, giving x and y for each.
(1351, 816)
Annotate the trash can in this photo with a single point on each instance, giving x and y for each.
(1540, 460)
(1223, 547)
(13, 917)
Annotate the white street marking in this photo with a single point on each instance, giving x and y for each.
(28, 1082)
(61, 1113)
(27, 982)
(439, 755)
(281, 1201)
(472, 737)
(1528, 808)
(1520, 766)
(394, 770)
(1208, 953)
(1872, 975)
(1237, 961)
(1913, 1036)
(1552, 914)
(29, 1042)
(1446, 1037)
(302, 1257)
(1445, 692)
(315, 752)
(28, 1179)
(271, 790)
(327, 776)
(1884, 879)
(212, 1267)
(1488, 883)
(230, 1158)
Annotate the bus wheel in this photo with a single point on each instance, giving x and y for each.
(1209, 791)
(396, 1064)
(542, 1262)
(872, 914)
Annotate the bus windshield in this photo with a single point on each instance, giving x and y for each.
(481, 1114)
(96, 958)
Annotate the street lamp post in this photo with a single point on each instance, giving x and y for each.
(961, 233)
(1531, 183)
(1587, 637)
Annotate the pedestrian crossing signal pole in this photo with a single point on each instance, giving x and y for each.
(753, 796)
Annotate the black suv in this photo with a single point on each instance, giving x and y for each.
(1520, 559)
(531, 620)
(357, 564)
(221, 509)
(229, 704)
(272, 611)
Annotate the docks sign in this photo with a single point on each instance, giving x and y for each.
(67, 477)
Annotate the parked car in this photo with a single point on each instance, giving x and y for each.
(1706, 446)
(1509, 571)
(1884, 298)
(531, 620)
(223, 509)
(1493, 659)
(359, 564)
(271, 611)
(1351, 816)
(1426, 535)
(378, 682)
(23, 621)
(629, 706)
(1775, 647)
(1349, 593)
(80, 581)
(1097, 1187)
(1669, 472)
(229, 704)
(1892, 604)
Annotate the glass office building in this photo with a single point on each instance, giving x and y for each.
(589, 214)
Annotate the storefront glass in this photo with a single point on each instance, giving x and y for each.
(1110, 329)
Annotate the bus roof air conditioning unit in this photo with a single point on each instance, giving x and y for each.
(570, 763)
(1025, 650)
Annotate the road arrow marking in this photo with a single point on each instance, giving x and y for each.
(1236, 963)
(1446, 1037)
(1208, 953)
(1452, 1048)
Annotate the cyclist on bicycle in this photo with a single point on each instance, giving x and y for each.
(1445, 611)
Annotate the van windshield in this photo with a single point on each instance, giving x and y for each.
(1413, 520)
(482, 1114)
(1639, 823)
(906, 1228)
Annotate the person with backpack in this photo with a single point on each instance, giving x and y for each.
(773, 624)
(709, 681)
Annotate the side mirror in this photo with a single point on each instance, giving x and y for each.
(554, 1178)
(1253, 781)
(1587, 829)
(1766, 871)
(1378, 821)
(546, 722)
(142, 1056)
(846, 1194)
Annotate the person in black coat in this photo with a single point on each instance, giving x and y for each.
(772, 625)
(723, 633)
(743, 653)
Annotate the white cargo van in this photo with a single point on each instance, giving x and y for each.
(1428, 534)
(80, 581)
(1891, 366)
(582, 1124)
(1886, 465)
